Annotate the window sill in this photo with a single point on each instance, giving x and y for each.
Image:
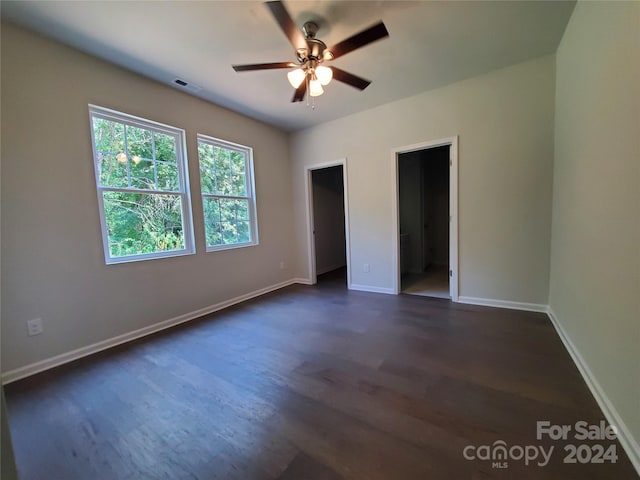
(218, 248)
(144, 257)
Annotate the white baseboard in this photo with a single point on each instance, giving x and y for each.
(303, 281)
(625, 437)
(489, 302)
(371, 289)
(33, 368)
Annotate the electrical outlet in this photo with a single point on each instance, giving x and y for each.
(34, 327)
(365, 268)
(281, 265)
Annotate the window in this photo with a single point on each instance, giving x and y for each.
(142, 184)
(228, 201)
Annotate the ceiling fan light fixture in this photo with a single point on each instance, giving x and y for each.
(324, 74)
(315, 88)
(296, 77)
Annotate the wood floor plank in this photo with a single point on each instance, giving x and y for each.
(310, 383)
(303, 466)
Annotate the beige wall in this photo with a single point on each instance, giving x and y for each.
(505, 125)
(595, 255)
(52, 260)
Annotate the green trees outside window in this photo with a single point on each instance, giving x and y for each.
(140, 190)
(227, 193)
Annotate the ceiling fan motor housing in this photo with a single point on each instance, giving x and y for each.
(316, 51)
(317, 48)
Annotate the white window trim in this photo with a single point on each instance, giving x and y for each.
(183, 174)
(251, 191)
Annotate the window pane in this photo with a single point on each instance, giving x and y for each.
(207, 172)
(223, 183)
(221, 158)
(165, 147)
(139, 142)
(108, 136)
(211, 209)
(112, 172)
(214, 233)
(226, 221)
(229, 233)
(237, 162)
(242, 209)
(238, 185)
(244, 234)
(140, 223)
(205, 155)
(207, 181)
(227, 210)
(168, 177)
(222, 171)
(143, 175)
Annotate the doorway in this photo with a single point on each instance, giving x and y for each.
(426, 181)
(328, 224)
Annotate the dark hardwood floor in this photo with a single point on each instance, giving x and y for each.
(311, 383)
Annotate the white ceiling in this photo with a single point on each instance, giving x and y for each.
(431, 44)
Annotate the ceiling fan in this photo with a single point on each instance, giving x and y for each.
(309, 74)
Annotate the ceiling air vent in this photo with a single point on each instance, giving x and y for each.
(192, 87)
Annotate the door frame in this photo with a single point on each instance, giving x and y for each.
(452, 142)
(311, 243)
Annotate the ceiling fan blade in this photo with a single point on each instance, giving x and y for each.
(370, 35)
(300, 92)
(293, 33)
(264, 66)
(349, 78)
